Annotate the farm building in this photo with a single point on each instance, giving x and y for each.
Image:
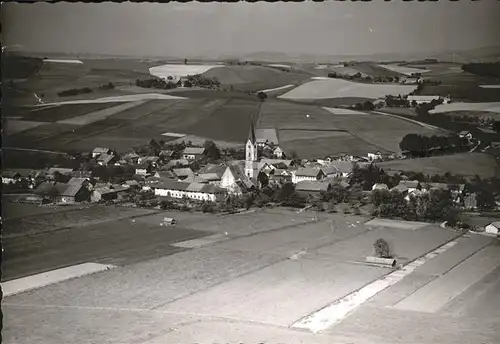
(407, 186)
(100, 150)
(464, 134)
(76, 190)
(107, 193)
(379, 186)
(410, 80)
(307, 173)
(493, 228)
(208, 178)
(193, 153)
(167, 153)
(374, 156)
(278, 163)
(106, 159)
(131, 157)
(81, 174)
(312, 188)
(15, 175)
(183, 173)
(64, 171)
(177, 163)
(132, 184)
(195, 191)
(148, 159)
(143, 169)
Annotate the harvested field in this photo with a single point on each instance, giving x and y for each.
(490, 107)
(292, 135)
(67, 217)
(397, 224)
(403, 69)
(287, 115)
(374, 70)
(340, 111)
(12, 126)
(339, 143)
(179, 70)
(62, 61)
(332, 102)
(466, 164)
(62, 112)
(331, 88)
(100, 114)
(254, 78)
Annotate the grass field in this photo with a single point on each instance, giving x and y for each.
(404, 69)
(331, 88)
(12, 126)
(179, 70)
(331, 102)
(373, 70)
(466, 164)
(489, 107)
(61, 217)
(288, 115)
(255, 78)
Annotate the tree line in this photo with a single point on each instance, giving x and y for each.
(491, 69)
(421, 145)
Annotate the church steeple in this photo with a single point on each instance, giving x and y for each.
(251, 154)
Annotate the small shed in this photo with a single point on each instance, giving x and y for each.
(493, 228)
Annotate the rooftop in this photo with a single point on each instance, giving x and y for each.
(194, 150)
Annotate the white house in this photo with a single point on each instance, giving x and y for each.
(427, 99)
(100, 150)
(194, 191)
(193, 153)
(374, 156)
(307, 173)
(493, 228)
(278, 152)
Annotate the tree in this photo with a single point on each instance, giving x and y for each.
(496, 126)
(263, 179)
(262, 96)
(185, 61)
(382, 248)
(211, 150)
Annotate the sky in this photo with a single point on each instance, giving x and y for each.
(195, 29)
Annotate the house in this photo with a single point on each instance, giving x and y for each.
(312, 188)
(76, 190)
(183, 174)
(208, 178)
(493, 228)
(100, 150)
(374, 156)
(426, 99)
(278, 163)
(195, 191)
(410, 80)
(470, 201)
(379, 186)
(160, 176)
(278, 152)
(338, 169)
(264, 167)
(193, 153)
(167, 154)
(81, 174)
(307, 173)
(106, 159)
(132, 157)
(143, 169)
(235, 180)
(131, 184)
(107, 193)
(12, 176)
(64, 171)
(464, 134)
(148, 159)
(407, 186)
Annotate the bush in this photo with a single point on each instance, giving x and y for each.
(382, 249)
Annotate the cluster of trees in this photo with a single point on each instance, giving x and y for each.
(367, 78)
(365, 106)
(108, 86)
(491, 69)
(436, 205)
(399, 101)
(199, 80)
(74, 92)
(421, 145)
(156, 83)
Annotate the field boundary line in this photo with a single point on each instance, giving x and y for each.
(326, 317)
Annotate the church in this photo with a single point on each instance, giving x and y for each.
(251, 160)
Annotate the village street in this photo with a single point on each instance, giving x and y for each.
(249, 283)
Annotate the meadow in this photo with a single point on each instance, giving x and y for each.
(403, 69)
(466, 164)
(332, 88)
(489, 107)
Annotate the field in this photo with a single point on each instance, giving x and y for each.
(38, 221)
(331, 88)
(466, 164)
(490, 107)
(179, 70)
(404, 70)
(255, 78)
(374, 70)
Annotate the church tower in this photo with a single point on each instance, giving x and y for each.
(251, 170)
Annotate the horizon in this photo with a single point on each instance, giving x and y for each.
(302, 29)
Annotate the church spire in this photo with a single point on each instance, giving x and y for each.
(251, 134)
